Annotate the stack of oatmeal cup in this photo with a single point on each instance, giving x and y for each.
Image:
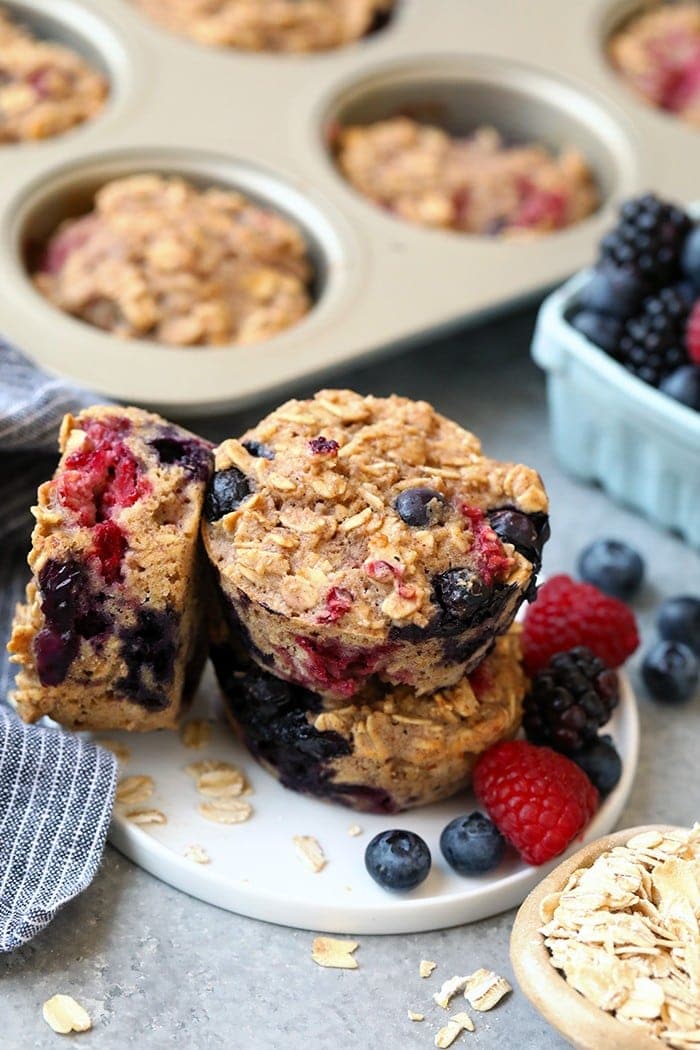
(370, 561)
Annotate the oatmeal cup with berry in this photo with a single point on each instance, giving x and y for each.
(478, 183)
(111, 635)
(363, 539)
(658, 54)
(157, 258)
(272, 25)
(45, 87)
(382, 752)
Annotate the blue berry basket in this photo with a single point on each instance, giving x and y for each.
(609, 427)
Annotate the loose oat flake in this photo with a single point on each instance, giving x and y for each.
(120, 751)
(310, 852)
(451, 987)
(132, 790)
(354, 830)
(415, 1017)
(146, 816)
(222, 783)
(459, 1023)
(226, 811)
(485, 989)
(197, 853)
(426, 967)
(64, 1015)
(333, 953)
(195, 734)
(625, 933)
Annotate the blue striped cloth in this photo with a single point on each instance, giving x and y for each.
(56, 788)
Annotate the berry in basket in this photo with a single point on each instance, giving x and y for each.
(642, 303)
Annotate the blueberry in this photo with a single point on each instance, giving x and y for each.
(227, 490)
(601, 329)
(671, 672)
(461, 593)
(601, 764)
(398, 860)
(679, 621)
(613, 291)
(472, 845)
(258, 449)
(684, 385)
(613, 567)
(690, 256)
(527, 533)
(192, 455)
(421, 507)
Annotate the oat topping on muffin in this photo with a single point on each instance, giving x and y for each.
(373, 539)
(45, 87)
(477, 184)
(271, 25)
(159, 259)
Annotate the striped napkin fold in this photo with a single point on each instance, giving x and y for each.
(56, 788)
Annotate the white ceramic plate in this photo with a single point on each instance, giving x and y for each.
(255, 870)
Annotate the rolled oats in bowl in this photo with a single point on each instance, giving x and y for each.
(624, 933)
(45, 87)
(157, 258)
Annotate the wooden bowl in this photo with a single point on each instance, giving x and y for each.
(585, 1026)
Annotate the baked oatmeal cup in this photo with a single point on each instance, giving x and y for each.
(45, 87)
(271, 25)
(112, 633)
(477, 184)
(358, 539)
(378, 754)
(159, 259)
(658, 54)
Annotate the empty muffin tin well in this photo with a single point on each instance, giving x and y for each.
(256, 122)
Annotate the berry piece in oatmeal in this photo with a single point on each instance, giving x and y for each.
(333, 584)
(111, 635)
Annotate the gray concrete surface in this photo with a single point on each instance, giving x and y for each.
(158, 969)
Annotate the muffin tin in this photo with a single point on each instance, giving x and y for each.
(259, 122)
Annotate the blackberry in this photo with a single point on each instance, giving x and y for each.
(652, 344)
(569, 701)
(648, 240)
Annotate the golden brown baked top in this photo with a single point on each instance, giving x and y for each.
(270, 25)
(158, 258)
(313, 513)
(45, 88)
(475, 184)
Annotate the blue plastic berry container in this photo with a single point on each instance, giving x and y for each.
(609, 427)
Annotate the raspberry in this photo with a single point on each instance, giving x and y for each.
(692, 333)
(570, 700)
(568, 614)
(538, 799)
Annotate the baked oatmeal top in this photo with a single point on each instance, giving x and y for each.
(474, 184)
(271, 25)
(158, 258)
(45, 88)
(360, 511)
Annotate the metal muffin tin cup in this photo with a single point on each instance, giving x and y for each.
(258, 122)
